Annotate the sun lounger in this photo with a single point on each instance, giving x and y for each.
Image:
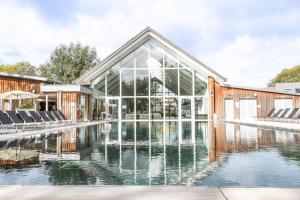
(36, 116)
(62, 115)
(58, 117)
(44, 116)
(27, 119)
(6, 122)
(271, 113)
(50, 116)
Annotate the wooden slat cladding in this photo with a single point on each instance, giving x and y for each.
(265, 100)
(70, 103)
(13, 83)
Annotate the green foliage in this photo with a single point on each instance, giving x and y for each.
(287, 76)
(68, 62)
(19, 68)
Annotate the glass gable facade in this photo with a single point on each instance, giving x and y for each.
(152, 84)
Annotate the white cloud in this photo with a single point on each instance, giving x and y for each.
(197, 26)
(253, 61)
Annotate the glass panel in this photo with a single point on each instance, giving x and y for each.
(200, 86)
(171, 108)
(113, 131)
(113, 81)
(113, 105)
(127, 108)
(186, 86)
(186, 108)
(200, 108)
(186, 131)
(156, 56)
(142, 108)
(142, 131)
(171, 132)
(127, 82)
(128, 61)
(127, 131)
(157, 108)
(170, 62)
(156, 76)
(171, 82)
(157, 133)
(101, 84)
(142, 83)
(141, 56)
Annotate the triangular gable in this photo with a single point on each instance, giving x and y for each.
(137, 41)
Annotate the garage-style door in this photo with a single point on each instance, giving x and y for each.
(283, 103)
(229, 109)
(248, 109)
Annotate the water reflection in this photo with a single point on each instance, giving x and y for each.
(144, 153)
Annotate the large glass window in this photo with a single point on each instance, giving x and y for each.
(113, 81)
(200, 108)
(128, 61)
(171, 108)
(142, 108)
(186, 79)
(170, 62)
(157, 108)
(101, 84)
(156, 56)
(127, 82)
(171, 82)
(156, 76)
(186, 111)
(200, 85)
(128, 108)
(141, 56)
(142, 83)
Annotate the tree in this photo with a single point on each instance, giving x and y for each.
(287, 76)
(19, 68)
(68, 62)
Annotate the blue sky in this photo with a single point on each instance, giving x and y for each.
(247, 41)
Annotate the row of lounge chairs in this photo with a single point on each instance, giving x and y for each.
(287, 114)
(12, 119)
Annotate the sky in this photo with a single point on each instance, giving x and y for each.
(247, 41)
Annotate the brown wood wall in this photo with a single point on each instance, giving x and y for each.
(70, 102)
(13, 83)
(265, 100)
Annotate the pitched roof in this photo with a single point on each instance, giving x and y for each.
(132, 44)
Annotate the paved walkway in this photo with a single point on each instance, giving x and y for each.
(143, 192)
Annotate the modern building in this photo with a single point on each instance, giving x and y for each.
(151, 79)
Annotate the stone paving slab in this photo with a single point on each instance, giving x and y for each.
(108, 193)
(144, 192)
(261, 193)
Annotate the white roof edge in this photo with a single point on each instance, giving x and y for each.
(66, 88)
(270, 90)
(157, 36)
(24, 76)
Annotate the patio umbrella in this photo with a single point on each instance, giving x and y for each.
(16, 94)
(19, 95)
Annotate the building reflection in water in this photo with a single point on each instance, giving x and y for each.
(148, 152)
(229, 138)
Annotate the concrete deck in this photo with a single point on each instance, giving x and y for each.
(143, 192)
(21, 134)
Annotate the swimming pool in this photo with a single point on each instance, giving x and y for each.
(158, 153)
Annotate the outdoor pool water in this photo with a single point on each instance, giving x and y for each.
(159, 153)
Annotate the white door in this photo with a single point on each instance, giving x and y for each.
(229, 109)
(248, 109)
(283, 103)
